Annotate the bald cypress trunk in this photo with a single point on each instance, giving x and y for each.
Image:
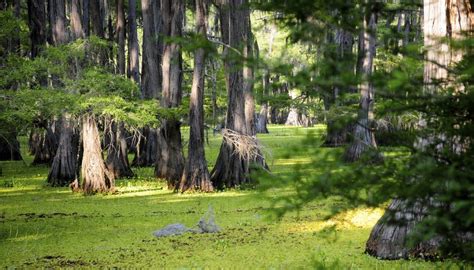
(151, 67)
(170, 160)
(196, 175)
(232, 170)
(9, 146)
(76, 20)
(133, 49)
(120, 32)
(57, 15)
(85, 17)
(37, 24)
(390, 236)
(97, 21)
(117, 153)
(94, 173)
(64, 167)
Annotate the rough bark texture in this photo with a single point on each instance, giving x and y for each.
(120, 32)
(170, 160)
(232, 170)
(76, 20)
(64, 167)
(9, 147)
(133, 49)
(151, 68)
(57, 18)
(37, 23)
(94, 173)
(442, 19)
(363, 138)
(117, 153)
(390, 237)
(196, 175)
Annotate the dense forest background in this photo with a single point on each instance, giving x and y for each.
(101, 86)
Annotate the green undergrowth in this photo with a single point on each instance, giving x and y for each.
(43, 227)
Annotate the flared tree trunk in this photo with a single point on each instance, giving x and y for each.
(64, 167)
(363, 139)
(231, 169)
(170, 160)
(196, 175)
(120, 32)
(442, 19)
(94, 173)
(133, 49)
(117, 153)
(389, 238)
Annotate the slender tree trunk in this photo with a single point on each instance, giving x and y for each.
(117, 154)
(64, 167)
(94, 173)
(263, 115)
(120, 32)
(389, 237)
(248, 75)
(170, 161)
(76, 20)
(133, 49)
(196, 175)
(363, 137)
(232, 170)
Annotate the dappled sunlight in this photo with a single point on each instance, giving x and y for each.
(362, 218)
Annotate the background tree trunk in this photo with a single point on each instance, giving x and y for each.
(151, 71)
(94, 173)
(97, 20)
(117, 154)
(120, 32)
(9, 147)
(37, 23)
(170, 161)
(85, 17)
(58, 21)
(363, 137)
(133, 49)
(196, 175)
(76, 20)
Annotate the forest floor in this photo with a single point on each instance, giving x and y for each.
(42, 226)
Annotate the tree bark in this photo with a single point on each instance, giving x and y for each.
(248, 75)
(76, 20)
(232, 170)
(363, 139)
(58, 21)
(120, 32)
(44, 142)
(94, 173)
(64, 167)
(37, 23)
(262, 119)
(170, 160)
(147, 148)
(117, 154)
(133, 49)
(196, 175)
(151, 68)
